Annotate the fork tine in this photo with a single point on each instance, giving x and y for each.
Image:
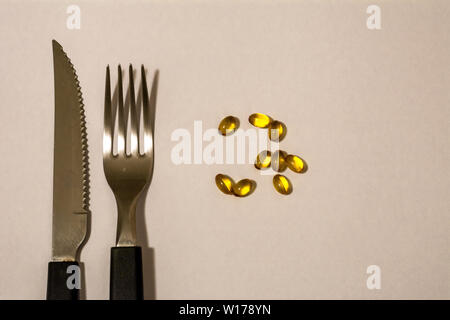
(152, 102)
(121, 138)
(133, 116)
(148, 131)
(107, 124)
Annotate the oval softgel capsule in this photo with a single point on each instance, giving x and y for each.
(259, 120)
(244, 187)
(277, 130)
(263, 160)
(228, 125)
(282, 184)
(224, 183)
(279, 160)
(295, 163)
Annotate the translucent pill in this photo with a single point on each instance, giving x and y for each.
(224, 183)
(279, 163)
(295, 163)
(277, 130)
(228, 125)
(244, 187)
(259, 120)
(282, 184)
(263, 160)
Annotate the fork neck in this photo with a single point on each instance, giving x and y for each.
(126, 223)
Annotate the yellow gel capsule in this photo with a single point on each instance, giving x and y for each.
(282, 184)
(228, 125)
(263, 160)
(259, 120)
(224, 183)
(244, 187)
(277, 130)
(295, 163)
(279, 163)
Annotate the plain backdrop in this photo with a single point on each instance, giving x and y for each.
(369, 110)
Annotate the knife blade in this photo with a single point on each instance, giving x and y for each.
(70, 180)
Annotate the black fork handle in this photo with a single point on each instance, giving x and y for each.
(126, 280)
(60, 281)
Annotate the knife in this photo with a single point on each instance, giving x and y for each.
(70, 181)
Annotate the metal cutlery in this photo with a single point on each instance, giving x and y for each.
(127, 175)
(70, 181)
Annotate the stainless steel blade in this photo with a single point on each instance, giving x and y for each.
(70, 166)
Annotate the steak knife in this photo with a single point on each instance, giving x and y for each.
(70, 181)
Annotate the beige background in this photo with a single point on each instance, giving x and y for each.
(368, 110)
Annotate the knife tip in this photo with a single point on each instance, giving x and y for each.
(56, 44)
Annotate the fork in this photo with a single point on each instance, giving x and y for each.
(127, 175)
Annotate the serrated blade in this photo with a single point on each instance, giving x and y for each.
(70, 166)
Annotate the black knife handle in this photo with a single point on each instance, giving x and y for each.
(126, 274)
(58, 287)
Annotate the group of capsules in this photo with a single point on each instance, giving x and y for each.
(279, 161)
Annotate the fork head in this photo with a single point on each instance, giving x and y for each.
(128, 173)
